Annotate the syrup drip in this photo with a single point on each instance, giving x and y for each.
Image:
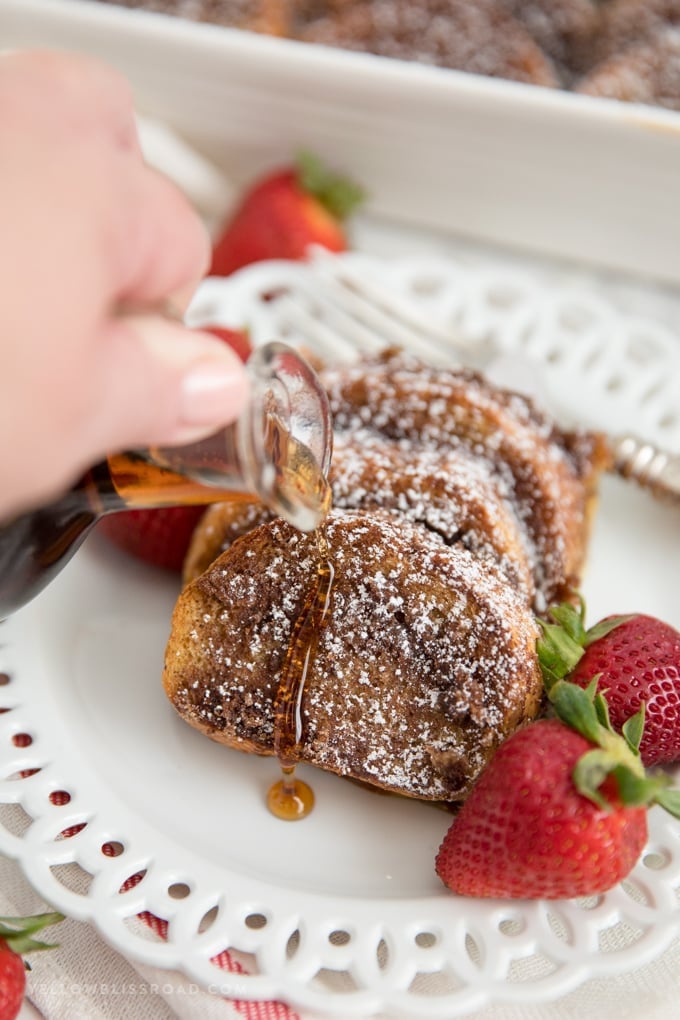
(290, 798)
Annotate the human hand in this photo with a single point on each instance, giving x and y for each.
(92, 239)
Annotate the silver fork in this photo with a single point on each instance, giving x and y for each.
(644, 463)
(351, 312)
(359, 314)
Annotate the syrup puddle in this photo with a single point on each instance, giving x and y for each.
(290, 798)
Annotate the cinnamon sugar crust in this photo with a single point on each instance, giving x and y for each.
(426, 664)
(564, 29)
(220, 526)
(460, 511)
(646, 73)
(448, 492)
(547, 475)
(631, 23)
(621, 49)
(481, 37)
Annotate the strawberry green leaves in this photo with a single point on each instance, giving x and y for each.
(561, 809)
(637, 661)
(338, 194)
(585, 710)
(563, 643)
(18, 932)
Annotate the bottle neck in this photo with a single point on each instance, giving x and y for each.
(132, 481)
(36, 545)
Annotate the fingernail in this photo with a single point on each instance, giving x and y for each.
(213, 393)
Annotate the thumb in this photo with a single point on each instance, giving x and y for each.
(163, 384)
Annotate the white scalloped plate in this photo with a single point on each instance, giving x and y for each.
(341, 913)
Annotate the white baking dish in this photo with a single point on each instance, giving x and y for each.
(548, 172)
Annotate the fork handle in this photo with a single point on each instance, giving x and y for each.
(648, 465)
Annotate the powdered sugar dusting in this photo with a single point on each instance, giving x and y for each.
(458, 509)
(499, 452)
(425, 664)
(645, 73)
(481, 37)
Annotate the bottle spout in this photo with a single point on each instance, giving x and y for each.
(279, 449)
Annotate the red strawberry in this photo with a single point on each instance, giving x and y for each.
(557, 813)
(12, 981)
(161, 536)
(16, 938)
(637, 660)
(283, 214)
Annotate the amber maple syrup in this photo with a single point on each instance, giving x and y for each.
(136, 482)
(290, 798)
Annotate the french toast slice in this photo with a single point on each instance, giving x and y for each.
(460, 512)
(427, 661)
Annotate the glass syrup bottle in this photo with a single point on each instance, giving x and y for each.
(279, 450)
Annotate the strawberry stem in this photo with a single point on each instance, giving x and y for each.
(585, 710)
(599, 630)
(558, 652)
(338, 195)
(560, 648)
(669, 800)
(590, 773)
(564, 641)
(18, 932)
(576, 707)
(572, 618)
(633, 729)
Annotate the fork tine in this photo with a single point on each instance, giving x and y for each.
(309, 317)
(354, 305)
(396, 320)
(646, 464)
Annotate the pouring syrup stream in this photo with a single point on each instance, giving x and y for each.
(290, 798)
